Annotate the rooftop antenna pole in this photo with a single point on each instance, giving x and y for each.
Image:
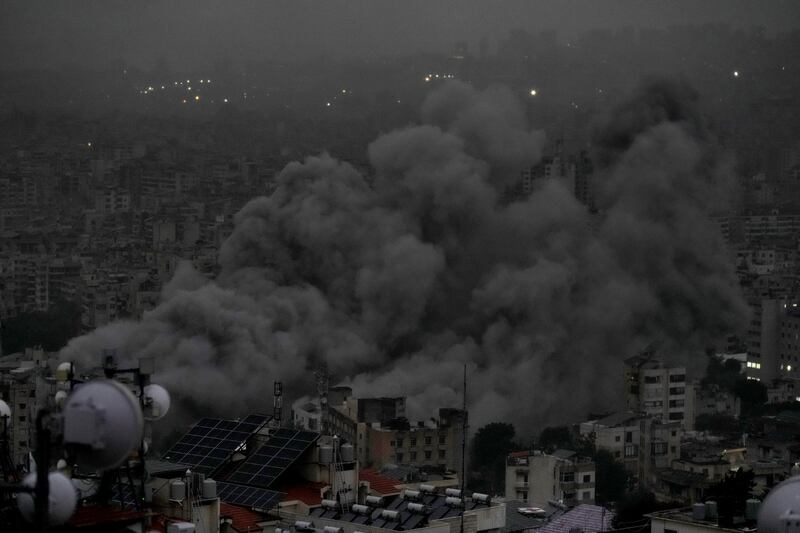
(322, 391)
(463, 446)
(277, 403)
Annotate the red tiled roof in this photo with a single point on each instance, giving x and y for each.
(306, 492)
(243, 519)
(523, 453)
(377, 482)
(94, 515)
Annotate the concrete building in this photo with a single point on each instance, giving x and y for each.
(773, 340)
(657, 390)
(538, 478)
(640, 442)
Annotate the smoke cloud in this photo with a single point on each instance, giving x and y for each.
(398, 279)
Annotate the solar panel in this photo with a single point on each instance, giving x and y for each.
(282, 449)
(212, 441)
(253, 497)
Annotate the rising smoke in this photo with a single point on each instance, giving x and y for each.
(398, 280)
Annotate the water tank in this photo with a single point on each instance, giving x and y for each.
(410, 494)
(454, 493)
(177, 490)
(415, 507)
(209, 489)
(699, 511)
(388, 514)
(330, 504)
(751, 509)
(453, 501)
(303, 525)
(374, 501)
(326, 455)
(482, 498)
(711, 510)
(348, 453)
(427, 489)
(360, 509)
(332, 529)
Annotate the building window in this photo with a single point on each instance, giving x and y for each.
(428, 454)
(629, 436)
(659, 448)
(391, 443)
(568, 477)
(630, 450)
(399, 457)
(428, 441)
(617, 438)
(399, 443)
(22, 419)
(652, 379)
(413, 456)
(587, 478)
(442, 439)
(677, 378)
(586, 495)
(413, 441)
(442, 454)
(617, 454)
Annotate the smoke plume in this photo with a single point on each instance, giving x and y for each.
(398, 279)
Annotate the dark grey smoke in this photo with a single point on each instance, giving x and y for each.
(397, 281)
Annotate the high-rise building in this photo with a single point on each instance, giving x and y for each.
(657, 390)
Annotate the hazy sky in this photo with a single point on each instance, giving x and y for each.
(194, 33)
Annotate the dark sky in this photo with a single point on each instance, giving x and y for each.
(195, 33)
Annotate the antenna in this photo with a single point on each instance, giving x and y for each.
(277, 403)
(464, 443)
(323, 380)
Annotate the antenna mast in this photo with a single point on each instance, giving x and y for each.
(321, 373)
(464, 446)
(277, 403)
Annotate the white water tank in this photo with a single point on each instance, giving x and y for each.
(388, 514)
(360, 509)
(452, 501)
(454, 493)
(332, 529)
(63, 370)
(410, 494)
(177, 490)
(209, 489)
(329, 504)
(415, 507)
(427, 489)
(481, 498)
(303, 525)
(374, 501)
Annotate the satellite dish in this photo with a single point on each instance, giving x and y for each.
(5, 410)
(63, 370)
(61, 501)
(780, 507)
(60, 397)
(102, 424)
(157, 402)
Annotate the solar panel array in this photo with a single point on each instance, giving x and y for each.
(284, 447)
(212, 441)
(253, 497)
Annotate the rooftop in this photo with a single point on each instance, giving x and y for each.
(587, 518)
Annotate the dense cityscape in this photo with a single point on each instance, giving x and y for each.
(538, 282)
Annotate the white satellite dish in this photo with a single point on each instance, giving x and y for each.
(102, 424)
(60, 398)
(62, 499)
(780, 507)
(157, 402)
(5, 410)
(63, 370)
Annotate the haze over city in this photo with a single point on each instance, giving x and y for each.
(523, 230)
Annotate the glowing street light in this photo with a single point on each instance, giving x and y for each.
(533, 92)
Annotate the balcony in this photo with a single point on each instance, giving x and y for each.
(520, 484)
